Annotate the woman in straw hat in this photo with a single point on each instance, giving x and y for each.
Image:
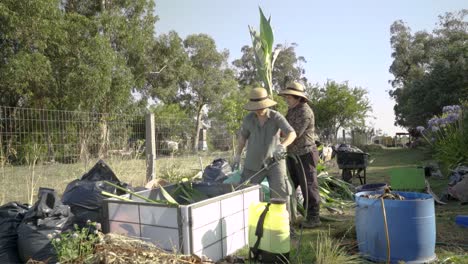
(261, 130)
(301, 118)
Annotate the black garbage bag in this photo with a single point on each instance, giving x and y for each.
(348, 148)
(100, 172)
(84, 196)
(47, 217)
(217, 171)
(11, 215)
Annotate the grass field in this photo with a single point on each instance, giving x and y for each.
(16, 182)
(451, 239)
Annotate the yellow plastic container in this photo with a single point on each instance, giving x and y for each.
(275, 243)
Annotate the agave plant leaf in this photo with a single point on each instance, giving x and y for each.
(116, 196)
(324, 190)
(276, 52)
(266, 32)
(168, 197)
(134, 194)
(262, 44)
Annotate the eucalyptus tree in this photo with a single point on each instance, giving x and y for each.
(190, 72)
(288, 67)
(429, 69)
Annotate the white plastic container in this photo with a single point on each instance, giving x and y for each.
(215, 227)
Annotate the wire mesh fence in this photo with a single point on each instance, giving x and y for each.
(50, 148)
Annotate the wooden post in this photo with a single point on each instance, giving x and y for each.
(344, 136)
(150, 147)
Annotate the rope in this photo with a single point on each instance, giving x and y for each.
(386, 229)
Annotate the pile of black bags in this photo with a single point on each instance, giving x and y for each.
(84, 196)
(11, 215)
(48, 217)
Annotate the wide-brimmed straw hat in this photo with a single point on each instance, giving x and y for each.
(258, 99)
(294, 88)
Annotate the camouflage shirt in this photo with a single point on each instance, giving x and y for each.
(301, 118)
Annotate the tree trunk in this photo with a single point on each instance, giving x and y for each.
(197, 128)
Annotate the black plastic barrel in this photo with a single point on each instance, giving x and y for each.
(411, 228)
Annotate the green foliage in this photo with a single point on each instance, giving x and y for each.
(282, 106)
(448, 136)
(287, 67)
(169, 67)
(75, 55)
(172, 123)
(76, 246)
(231, 111)
(265, 57)
(326, 250)
(338, 106)
(429, 69)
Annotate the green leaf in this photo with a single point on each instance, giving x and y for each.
(168, 197)
(266, 32)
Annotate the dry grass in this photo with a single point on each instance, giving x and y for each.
(14, 184)
(117, 249)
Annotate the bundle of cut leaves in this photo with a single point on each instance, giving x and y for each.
(335, 194)
(118, 249)
(185, 193)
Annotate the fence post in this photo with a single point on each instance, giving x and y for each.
(150, 147)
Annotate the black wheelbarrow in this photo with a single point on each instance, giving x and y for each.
(353, 164)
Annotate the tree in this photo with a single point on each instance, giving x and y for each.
(288, 67)
(170, 66)
(230, 112)
(429, 69)
(338, 106)
(209, 78)
(26, 31)
(74, 55)
(192, 73)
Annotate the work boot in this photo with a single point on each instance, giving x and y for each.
(312, 222)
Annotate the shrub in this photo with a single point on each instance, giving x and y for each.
(76, 246)
(447, 134)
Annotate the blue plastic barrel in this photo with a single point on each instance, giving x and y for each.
(462, 220)
(411, 228)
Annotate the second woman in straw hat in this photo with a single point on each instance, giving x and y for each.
(301, 118)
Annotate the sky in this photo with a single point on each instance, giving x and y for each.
(341, 40)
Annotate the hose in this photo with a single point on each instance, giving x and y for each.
(306, 199)
(386, 229)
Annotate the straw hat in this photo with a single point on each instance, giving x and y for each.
(258, 100)
(294, 88)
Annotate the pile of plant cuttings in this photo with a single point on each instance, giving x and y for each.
(185, 193)
(335, 192)
(387, 194)
(118, 249)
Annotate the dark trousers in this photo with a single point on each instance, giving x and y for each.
(309, 185)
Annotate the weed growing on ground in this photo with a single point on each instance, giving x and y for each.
(78, 245)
